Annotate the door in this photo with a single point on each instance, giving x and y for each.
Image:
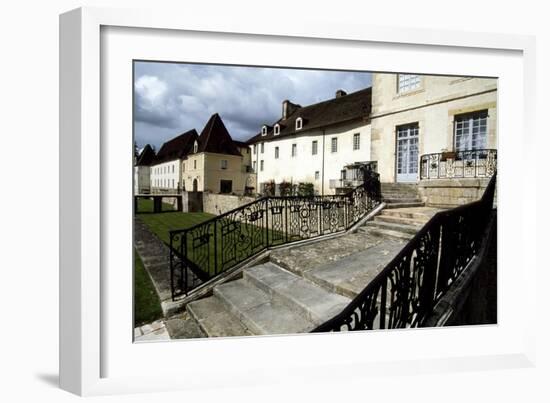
(407, 153)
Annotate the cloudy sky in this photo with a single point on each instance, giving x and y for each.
(172, 98)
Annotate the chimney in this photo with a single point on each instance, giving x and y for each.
(289, 108)
(340, 93)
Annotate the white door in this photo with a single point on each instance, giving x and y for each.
(407, 153)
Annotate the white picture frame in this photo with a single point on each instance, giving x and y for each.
(87, 347)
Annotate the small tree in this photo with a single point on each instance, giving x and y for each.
(285, 188)
(269, 188)
(306, 189)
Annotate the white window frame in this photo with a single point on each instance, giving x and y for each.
(276, 130)
(356, 141)
(464, 136)
(314, 147)
(408, 82)
(264, 130)
(223, 164)
(299, 124)
(262, 148)
(195, 147)
(334, 145)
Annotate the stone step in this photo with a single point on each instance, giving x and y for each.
(402, 200)
(214, 319)
(399, 220)
(404, 205)
(257, 312)
(393, 185)
(350, 275)
(406, 213)
(300, 295)
(408, 229)
(390, 233)
(399, 196)
(183, 327)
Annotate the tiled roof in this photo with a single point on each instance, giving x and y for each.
(216, 139)
(354, 106)
(176, 148)
(146, 156)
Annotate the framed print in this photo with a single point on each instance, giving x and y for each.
(250, 195)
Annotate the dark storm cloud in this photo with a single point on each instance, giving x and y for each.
(173, 98)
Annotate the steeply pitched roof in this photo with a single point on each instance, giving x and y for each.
(215, 138)
(146, 156)
(354, 106)
(176, 148)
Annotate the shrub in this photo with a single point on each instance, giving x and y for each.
(306, 189)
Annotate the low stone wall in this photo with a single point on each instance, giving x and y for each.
(448, 193)
(214, 203)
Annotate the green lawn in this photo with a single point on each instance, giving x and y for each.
(146, 301)
(146, 206)
(162, 223)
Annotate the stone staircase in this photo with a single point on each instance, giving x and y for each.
(302, 286)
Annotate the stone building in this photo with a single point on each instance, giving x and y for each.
(166, 167)
(314, 143)
(142, 170)
(439, 132)
(210, 162)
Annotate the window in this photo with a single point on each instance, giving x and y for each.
(226, 186)
(316, 175)
(277, 130)
(254, 165)
(261, 165)
(471, 131)
(343, 174)
(299, 124)
(314, 147)
(223, 164)
(264, 130)
(356, 141)
(276, 152)
(293, 150)
(255, 148)
(194, 164)
(195, 146)
(173, 183)
(407, 82)
(333, 144)
(262, 148)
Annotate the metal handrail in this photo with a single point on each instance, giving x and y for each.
(478, 163)
(406, 290)
(220, 243)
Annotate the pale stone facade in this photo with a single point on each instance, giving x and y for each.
(165, 177)
(142, 179)
(322, 168)
(210, 170)
(433, 106)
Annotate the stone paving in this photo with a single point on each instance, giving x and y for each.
(155, 256)
(155, 331)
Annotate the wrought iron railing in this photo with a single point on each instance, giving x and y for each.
(459, 164)
(405, 292)
(202, 252)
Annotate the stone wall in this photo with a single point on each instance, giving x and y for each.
(214, 203)
(448, 193)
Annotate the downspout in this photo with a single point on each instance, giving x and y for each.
(323, 167)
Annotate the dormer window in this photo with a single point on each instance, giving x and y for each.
(277, 130)
(195, 146)
(299, 123)
(264, 130)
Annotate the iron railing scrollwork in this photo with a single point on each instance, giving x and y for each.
(202, 252)
(459, 164)
(405, 292)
